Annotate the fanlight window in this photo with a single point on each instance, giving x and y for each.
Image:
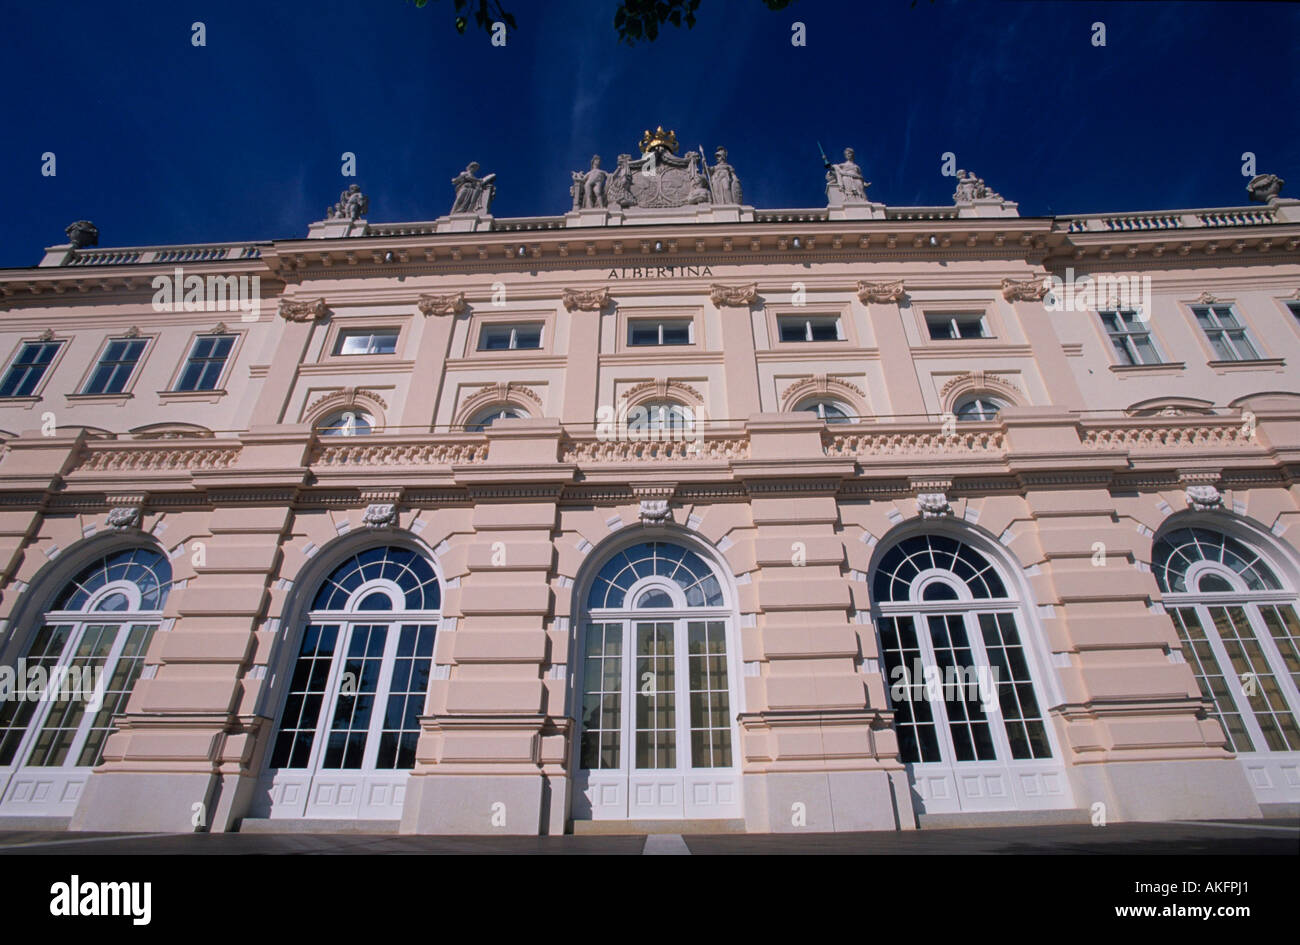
(1173, 556)
(978, 408)
(98, 627)
(148, 570)
(411, 573)
(485, 418)
(660, 416)
(827, 410)
(1238, 631)
(351, 422)
(910, 557)
(680, 565)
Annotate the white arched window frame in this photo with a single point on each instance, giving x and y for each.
(484, 418)
(656, 692)
(90, 646)
(352, 421)
(967, 683)
(1238, 629)
(348, 720)
(660, 416)
(832, 411)
(978, 407)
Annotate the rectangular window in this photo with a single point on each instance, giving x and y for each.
(816, 328)
(1131, 337)
(1227, 336)
(207, 360)
(115, 366)
(944, 326)
(367, 342)
(647, 331)
(1295, 309)
(28, 368)
(510, 337)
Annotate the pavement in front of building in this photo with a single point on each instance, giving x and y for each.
(1281, 837)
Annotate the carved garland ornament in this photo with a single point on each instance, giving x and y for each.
(1025, 290)
(503, 392)
(661, 389)
(880, 291)
(452, 304)
(978, 381)
(587, 300)
(746, 294)
(823, 385)
(346, 397)
(304, 310)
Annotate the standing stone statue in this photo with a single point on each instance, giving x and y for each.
(848, 178)
(352, 204)
(725, 185)
(473, 194)
(589, 189)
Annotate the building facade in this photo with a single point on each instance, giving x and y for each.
(666, 508)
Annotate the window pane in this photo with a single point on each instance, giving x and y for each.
(656, 697)
(677, 333)
(494, 339)
(643, 333)
(602, 686)
(792, 330)
(825, 330)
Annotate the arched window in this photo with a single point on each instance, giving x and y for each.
(966, 708)
(350, 422)
(489, 415)
(90, 650)
(349, 726)
(658, 417)
(979, 407)
(827, 410)
(657, 709)
(1239, 632)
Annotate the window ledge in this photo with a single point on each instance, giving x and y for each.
(191, 396)
(112, 399)
(1254, 364)
(28, 402)
(1164, 367)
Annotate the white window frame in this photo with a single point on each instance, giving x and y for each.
(808, 320)
(1223, 334)
(513, 328)
(951, 320)
(634, 323)
(372, 350)
(1124, 339)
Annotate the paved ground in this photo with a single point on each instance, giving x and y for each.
(1281, 837)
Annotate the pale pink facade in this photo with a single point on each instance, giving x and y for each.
(1064, 495)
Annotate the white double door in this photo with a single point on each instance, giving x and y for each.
(50, 740)
(345, 742)
(658, 722)
(968, 714)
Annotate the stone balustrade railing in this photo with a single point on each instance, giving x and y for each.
(336, 452)
(1167, 220)
(982, 442)
(1149, 435)
(145, 255)
(146, 458)
(597, 450)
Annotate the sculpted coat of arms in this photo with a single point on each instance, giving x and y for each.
(658, 178)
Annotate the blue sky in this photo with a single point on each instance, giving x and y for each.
(158, 141)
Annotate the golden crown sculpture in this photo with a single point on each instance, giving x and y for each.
(660, 139)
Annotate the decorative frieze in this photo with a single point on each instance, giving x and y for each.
(143, 460)
(913, 444)
(652, 451)
(398, 454)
